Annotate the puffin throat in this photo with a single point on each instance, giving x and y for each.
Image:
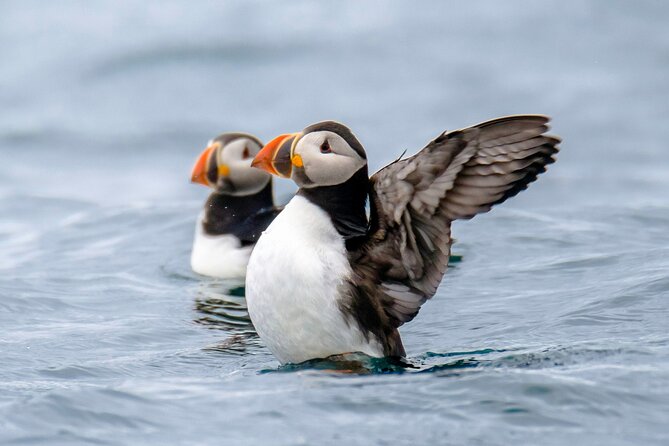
(344, 203)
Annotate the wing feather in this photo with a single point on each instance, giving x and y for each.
(456, 176)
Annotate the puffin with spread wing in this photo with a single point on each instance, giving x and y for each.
(324, 279)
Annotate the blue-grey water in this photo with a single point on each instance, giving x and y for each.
(552, 330)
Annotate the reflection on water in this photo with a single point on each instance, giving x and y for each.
(221, 306)
(361, 364)
(349, 363)
(450, 364)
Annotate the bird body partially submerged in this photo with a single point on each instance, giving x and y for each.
(299, 270)
(323, 277)
(221, 256)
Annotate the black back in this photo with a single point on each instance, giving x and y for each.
(245, 217)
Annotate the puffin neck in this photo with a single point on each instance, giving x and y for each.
(222, 213)
(344, 203)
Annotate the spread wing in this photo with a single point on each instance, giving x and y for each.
(456, 176)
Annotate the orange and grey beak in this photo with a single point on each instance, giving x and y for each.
(277, 156)
(206, 171)
(199, 173)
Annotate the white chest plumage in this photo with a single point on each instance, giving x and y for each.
(218, 255)
(292, 285)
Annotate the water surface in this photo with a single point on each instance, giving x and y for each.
(551, 330)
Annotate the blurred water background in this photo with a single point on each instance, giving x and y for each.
(552, 330)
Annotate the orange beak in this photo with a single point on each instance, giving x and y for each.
(199, 173)
(277, 155)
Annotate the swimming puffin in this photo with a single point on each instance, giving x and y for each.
(324, 279)
(240, 207)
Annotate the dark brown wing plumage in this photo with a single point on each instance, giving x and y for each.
(413, 202)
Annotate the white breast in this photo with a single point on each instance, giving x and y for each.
(218, 255)
(292, 287)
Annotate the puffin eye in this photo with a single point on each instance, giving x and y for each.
(246, 154)
(325, 147)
